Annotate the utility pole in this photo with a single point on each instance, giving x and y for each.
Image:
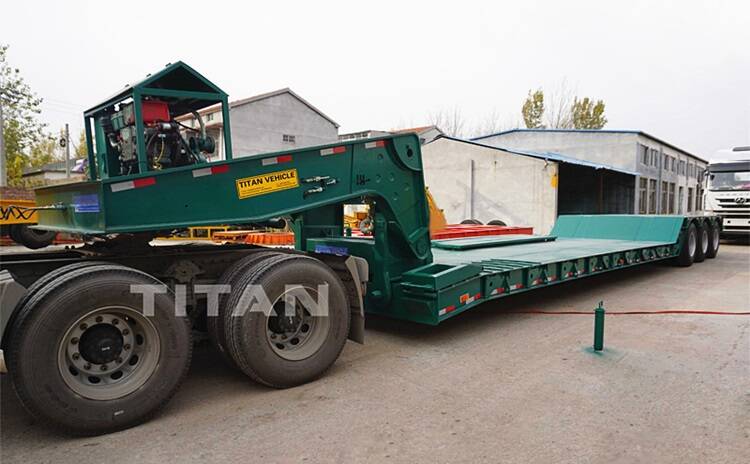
(3, 169)
(67, 151)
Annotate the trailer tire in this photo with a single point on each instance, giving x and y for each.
(139, 360)
(497, 222)
(215, 324)
(263, 345)
(475, 222)
(703, 244)
(688, 248)
(32, 238)
(714, 240)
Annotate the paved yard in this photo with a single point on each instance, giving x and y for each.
(488, 386)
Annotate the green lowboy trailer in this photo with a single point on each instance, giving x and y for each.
(98, 337)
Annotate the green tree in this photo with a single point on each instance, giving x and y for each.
(587, 114)
(81, 150)
(533, 109)
(21, 128)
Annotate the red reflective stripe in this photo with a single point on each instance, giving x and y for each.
(450, 308)
(220, 169)
(478, 296)
(339, 149)
(145, 182)
(284, 158)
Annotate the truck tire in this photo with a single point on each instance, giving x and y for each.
(215, 324)
(85, 358)
(283, 351)
(38, 285)
(714, 239)
(31, 238)
(475, 222)
(702, 247)
(689, 247)
(497, 222)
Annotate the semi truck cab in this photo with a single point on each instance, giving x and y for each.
(727, 194)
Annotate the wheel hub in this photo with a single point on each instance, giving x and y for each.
(297, 336)
(101, 344)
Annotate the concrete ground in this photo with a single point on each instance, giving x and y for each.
(487, 386)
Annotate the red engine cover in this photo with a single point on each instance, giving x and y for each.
(154, 111)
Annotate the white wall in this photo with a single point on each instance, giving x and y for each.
(519, 190)
(259, 126)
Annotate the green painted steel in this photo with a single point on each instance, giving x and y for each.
(410, 277)
(599, 327)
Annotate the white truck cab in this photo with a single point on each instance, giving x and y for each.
(727, 194)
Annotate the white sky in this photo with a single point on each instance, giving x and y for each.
(677, 69)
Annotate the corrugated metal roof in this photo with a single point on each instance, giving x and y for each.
(596, 131)
(549, 156)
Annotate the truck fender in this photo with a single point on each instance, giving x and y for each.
(11, 293)
(354, 273)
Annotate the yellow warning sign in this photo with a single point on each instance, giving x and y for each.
(267, 183)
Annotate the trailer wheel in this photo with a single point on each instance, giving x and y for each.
(475, 222)
(703, 244)
(714, 240)
(215, 324)
(497, 222)
(689, 247)
(31, 238)
(85, 358)
(279, 350)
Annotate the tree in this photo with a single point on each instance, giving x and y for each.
(588, 115)
(559, 105)
(533, 109)
(21, 106)
(81, 150)
(451, 122)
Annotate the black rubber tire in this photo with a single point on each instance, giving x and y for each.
(13, 232)
(472, 222)
(38, 285)
(246, 335)
(703, 243)
(497, 222)
(32, 357)
(32, 238)
(215, 325)
(714, 239)
(686, 257)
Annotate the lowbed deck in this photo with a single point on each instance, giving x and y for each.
(468, 271)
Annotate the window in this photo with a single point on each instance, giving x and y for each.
(690, 200)
(682, 168)
(674, 164)
(209, 117)
(680, 199)
(289, 138)
(690, 169)
(644, 154)
(652, 196)
(698, 198)
(654, 157)
(643, 196)
(664, 197)
(665, 162)
(671, 197)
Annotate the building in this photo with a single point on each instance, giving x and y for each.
(668, 181)
(471, 180)
(273, 121)
(426, 134)
(54, 173)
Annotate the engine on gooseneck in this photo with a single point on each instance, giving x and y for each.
(165, 145)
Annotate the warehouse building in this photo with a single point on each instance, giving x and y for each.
(426, 134)
(471, 180)
(668, 180)
(273, 121)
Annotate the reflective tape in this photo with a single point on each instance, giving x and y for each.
(133, 184)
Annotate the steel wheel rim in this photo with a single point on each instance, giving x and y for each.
(704, 241)
(691, 243)
(109, 353)
(301, 335)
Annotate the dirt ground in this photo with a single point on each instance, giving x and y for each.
(487, 386)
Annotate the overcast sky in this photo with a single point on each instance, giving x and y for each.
(679, 70)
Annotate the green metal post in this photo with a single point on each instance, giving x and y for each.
(599, 327)
(139, 130)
